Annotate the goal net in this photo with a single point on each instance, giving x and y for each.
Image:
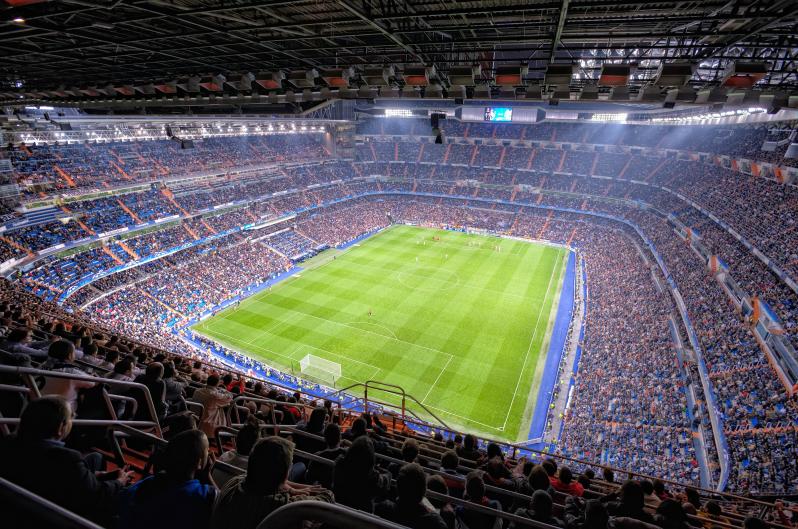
(319, 369)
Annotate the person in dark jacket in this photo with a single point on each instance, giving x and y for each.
(630, 502)
(38, 461)
(581, 514)
(181, 494)
(247, 499)
(153, 379)
(540, 509)
(411, 509)
(319, 472)
(356, 483)
(475, 493)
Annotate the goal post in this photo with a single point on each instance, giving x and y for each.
(320, 369)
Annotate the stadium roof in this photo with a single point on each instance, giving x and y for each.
(93, 44)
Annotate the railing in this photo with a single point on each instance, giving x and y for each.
(27, 375)
(293, 514)
(37, 511)
(392, 389)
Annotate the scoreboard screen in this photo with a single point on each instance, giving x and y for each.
(498, 114)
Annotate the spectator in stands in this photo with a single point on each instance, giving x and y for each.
(214, 400)
(249, 498)
(469, 450)
(319, 472)
(358, 429)
(356, 481)
(455, 481)
(411, 508)
(538, 480)
(123, 370)
(18, 342)
(671, 515)
(61, 358)
(475, 493)
(153, 379)
(181, 494)
(246, 438)
(581, 514)
(567, 485)
(713, 513)
(628, 502)
(175, 388)
(649, 495)
(38, 460)
(540, 509)
(314, 426)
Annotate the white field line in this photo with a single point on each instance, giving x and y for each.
(292, 359)
(393, 334)
(526, 356)
(410, 344)
(437, 379)
(447, 412)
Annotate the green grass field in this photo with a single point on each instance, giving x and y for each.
(460, 326)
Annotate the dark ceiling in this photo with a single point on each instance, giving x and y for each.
(93, 42)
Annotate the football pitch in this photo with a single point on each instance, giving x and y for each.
(460, 321)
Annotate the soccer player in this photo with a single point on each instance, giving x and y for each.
(369, 313)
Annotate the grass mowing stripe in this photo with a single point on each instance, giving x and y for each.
(450, 322)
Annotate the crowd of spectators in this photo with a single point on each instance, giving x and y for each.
(629, 406)
(417, 481)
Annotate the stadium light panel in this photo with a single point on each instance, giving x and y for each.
(674, 74)
(378, 76)
(741, 74)
(464, 75)
(616, 75)
(337, 77)
(510, 75)
(418, 75)
(559, 74)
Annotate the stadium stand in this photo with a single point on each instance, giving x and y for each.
(668, 388)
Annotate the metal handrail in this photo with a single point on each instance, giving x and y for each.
(334, 515)
(27, 374)
(52, 514)
(401, 392)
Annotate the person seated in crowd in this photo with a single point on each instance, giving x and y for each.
(247, 499)
(356, 481)
(455, 481)
(153, 379)
(18, 341)
(581, 514)
(246, 438)
(182, 492)
(313, 426)
(411, 508)
(649, 496)
(409, 454)
(319, 472)
(214, 401)
(538, 479)
(475, 493)
(713, 513)
(540, 509)
(660, 491)
(671, 515)
(469, 450)
(565, 483)
(175, 388)
(38, 460)
(628, 502)
(61, 358)
(357, 429)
